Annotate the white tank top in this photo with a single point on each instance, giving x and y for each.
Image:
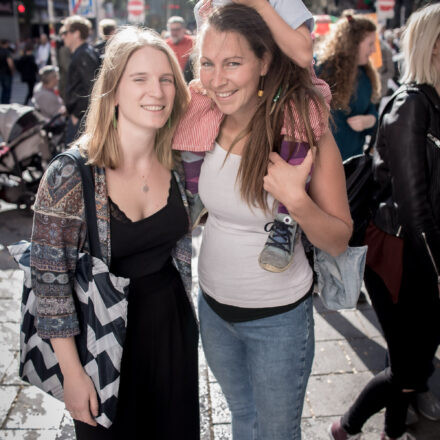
(233, 238)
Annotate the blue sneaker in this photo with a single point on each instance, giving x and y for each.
(277, 254)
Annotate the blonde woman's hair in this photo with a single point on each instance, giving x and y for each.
(337, 59)
(421, 32)
(100, 141)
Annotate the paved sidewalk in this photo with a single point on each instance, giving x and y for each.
(349, 350)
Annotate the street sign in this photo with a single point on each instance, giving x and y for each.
(136, 11)
(385, 9)
(86, 8)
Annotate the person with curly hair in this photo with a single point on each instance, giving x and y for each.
(343, 62)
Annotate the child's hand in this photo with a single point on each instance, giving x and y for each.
(251, 3)
(196, 85)
(284, 181)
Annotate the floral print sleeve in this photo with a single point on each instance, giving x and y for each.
(57, 235)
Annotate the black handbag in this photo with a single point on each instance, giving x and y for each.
(101, 306)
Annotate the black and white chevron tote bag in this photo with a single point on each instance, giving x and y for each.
(101, 305)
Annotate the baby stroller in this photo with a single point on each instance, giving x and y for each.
(28, 146)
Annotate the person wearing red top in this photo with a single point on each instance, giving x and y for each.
(180, 43)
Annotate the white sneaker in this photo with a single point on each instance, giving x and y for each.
(428, 405)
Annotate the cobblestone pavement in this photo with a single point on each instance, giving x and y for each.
(349, 351)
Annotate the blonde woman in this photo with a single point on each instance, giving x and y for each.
(136, 102)
(343, 62)
(403, 261)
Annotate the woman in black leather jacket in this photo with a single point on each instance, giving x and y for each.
(403, 261)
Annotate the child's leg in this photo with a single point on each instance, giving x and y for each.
(192, 164)
(277, 254)
(294, 154)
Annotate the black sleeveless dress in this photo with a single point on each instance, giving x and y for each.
(158, 396)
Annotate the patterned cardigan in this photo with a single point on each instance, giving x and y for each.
(59, 235)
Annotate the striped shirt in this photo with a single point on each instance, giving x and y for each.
(200, 125)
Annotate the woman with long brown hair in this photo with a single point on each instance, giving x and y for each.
(343, 62)
(257, 326)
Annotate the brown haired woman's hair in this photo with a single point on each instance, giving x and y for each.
(337, 59)
(285, 78)
(100, 141)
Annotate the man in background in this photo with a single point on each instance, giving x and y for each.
(179, 41)
(84, 64)
(42, 56)
(63, 56)
(6, 71)
(107, 27)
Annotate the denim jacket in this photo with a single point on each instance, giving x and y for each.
(59, 235)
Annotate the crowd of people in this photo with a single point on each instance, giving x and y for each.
(257, 141)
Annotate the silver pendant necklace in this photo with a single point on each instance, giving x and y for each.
(145, 187)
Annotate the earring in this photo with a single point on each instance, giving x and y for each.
(275, 99)
(169, 122)
(115, 118)
(261, 86)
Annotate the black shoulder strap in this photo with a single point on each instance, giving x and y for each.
(409, 88)
(88, 185)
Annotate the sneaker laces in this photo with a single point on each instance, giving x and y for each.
(280, 235)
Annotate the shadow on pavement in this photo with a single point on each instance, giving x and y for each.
(368, 350)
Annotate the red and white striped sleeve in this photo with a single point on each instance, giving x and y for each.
(318, 118)
(295, 129)
(199, 127)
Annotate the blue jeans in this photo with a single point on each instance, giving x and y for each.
(262, 367)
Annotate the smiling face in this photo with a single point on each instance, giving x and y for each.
(230, 72)
(146, 91)
(366, 48)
